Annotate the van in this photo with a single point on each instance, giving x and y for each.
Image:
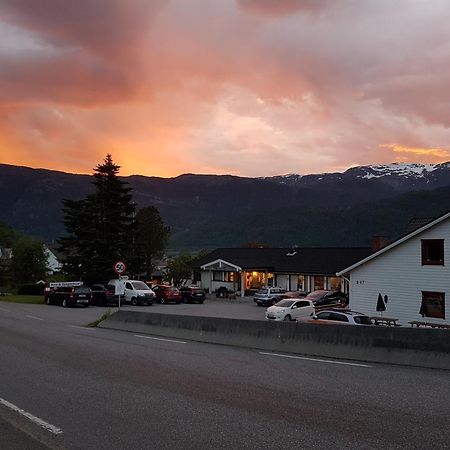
(136, 292)
(67, 293)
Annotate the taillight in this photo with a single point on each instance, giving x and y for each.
(109, 293)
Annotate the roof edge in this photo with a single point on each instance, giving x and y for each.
(395, 243)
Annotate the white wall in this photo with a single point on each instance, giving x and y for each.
(399, 274)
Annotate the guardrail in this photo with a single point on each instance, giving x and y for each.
(391, 345)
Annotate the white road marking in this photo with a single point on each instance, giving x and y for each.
(315, 359)
(33, 317)
(42, 423)
(6, 310)
(159, 339)
(82, 328)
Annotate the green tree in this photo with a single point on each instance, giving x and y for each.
(181, 268)
(7, 235)
(151, 238)
(99, 228)
(29, 261)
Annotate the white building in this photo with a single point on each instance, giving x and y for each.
(412, 272)
(245, 270)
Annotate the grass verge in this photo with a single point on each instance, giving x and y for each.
(101, 319)
(34, 299)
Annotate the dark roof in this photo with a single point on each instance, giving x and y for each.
(417, 222)
(326, 261)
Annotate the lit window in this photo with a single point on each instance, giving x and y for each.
(433, 305)
(432, 252)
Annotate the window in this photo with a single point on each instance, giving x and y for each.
(217, 275)
(433, 305)
(229, 276)
(334, 283)
(432, 252)
(301, 283)
(318, 282)
(338, 317)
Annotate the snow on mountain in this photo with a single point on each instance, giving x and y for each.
(399, 169)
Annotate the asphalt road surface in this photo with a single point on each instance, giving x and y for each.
(66, 386)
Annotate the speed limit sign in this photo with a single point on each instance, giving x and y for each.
(120, 267)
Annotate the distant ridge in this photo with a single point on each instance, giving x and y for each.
(208, 211)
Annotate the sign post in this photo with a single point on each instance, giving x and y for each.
(119, 267)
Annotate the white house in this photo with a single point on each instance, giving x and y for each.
(294, 269)
(53, 261)
(413, 273)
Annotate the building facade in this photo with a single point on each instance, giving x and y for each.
(412, 275)
(244, 270)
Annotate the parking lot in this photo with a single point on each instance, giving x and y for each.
(232, 309)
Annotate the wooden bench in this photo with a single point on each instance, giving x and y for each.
(418, 324)
(389, 321)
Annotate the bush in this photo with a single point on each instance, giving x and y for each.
(31, 289)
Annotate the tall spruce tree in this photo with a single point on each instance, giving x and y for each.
(151, 238)
(100, 227)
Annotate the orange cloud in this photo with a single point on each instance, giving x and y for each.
(206, 86)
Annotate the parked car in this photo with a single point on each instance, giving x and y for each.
(268, 296)
(167, 294)
(322, 298)
(69, 296)
(290, 309)
(191, 294)
(340, 317)
(104, 295)
(136, 292)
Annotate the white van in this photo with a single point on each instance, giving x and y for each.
(136, 292)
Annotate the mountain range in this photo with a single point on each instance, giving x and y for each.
(208, 211)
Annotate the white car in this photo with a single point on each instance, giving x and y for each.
(340, 317)
(291, 309)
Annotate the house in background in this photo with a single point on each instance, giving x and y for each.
(54, 259)
(413, 273)
(295, 269)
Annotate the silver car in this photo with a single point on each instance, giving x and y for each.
(268, 296)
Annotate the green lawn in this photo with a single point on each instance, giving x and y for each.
(37, 299)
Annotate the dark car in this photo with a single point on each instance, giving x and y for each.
(104, 295)
(192, 294)
(323, 298)
(69, 296)
(166, 294)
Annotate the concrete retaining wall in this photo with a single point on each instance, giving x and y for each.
(406, 346)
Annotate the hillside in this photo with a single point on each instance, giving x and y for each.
(206, 211)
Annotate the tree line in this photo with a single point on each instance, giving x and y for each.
(104, 227)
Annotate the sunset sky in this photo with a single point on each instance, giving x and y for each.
(244, 87)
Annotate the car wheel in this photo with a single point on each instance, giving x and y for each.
(185, 300)
(162, 301)
(201, 302)
(287, 318)
(134, 301)
(64, 303)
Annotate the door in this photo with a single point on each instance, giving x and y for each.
(302, 309)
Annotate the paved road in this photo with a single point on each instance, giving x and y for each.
(112, 390)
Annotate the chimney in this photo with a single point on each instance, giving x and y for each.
(378, 242)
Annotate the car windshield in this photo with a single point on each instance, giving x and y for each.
(82, 290)
(140, 285)
(363, 320)
(316, 295)
(262, 291)
(285, 303)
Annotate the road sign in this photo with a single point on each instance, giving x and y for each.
(119, 267)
